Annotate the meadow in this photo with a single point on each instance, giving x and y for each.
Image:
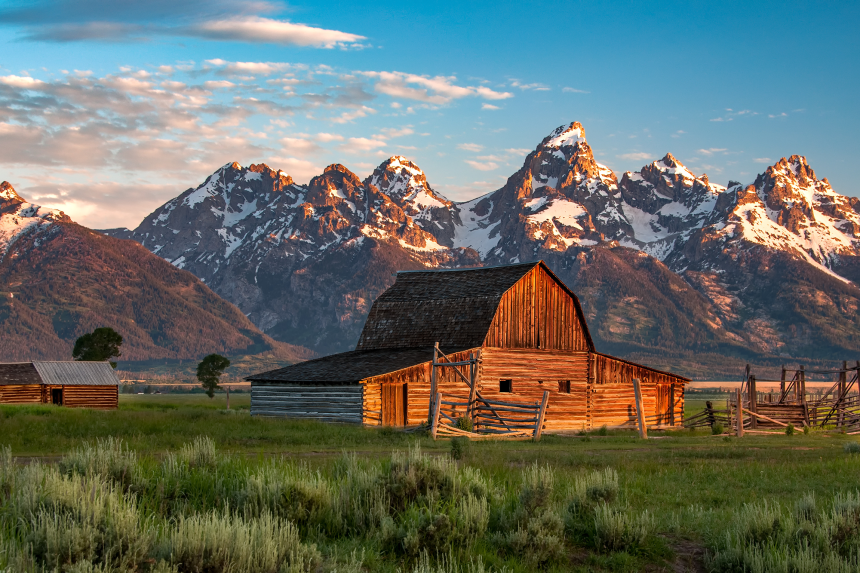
(176, 483)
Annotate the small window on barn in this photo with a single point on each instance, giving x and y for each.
(506, 386)
(564, 386)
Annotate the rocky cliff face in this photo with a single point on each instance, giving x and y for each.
(59, 280)
(664, 260)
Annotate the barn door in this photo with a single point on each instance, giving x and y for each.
(394, 400)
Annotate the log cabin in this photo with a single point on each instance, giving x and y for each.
(521, 323)
(69, 384)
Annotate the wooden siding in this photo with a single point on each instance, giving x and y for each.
(533, 372)
(417, 379)
(538, 313)
(99, 397)
(20, 394)
(614, 402)
(327, 403)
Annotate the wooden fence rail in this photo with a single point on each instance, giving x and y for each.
(490, 418)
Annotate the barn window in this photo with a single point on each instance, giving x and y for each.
(506, 386)
(564, 386)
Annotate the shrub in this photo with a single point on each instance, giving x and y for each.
(459, 447)
(789, 430)
(717, 429)
(465, 423)
(225, 542)
(588, 490)
(602, 431)
(533, 529)
(290, 492)
(851, 448)
(765, 537)
(200, 453)
(616, 530)
(73, 521)
(109, 458)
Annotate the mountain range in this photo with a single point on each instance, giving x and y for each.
(59, 280)
(670, 267)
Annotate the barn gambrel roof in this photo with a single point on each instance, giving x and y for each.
(453, 307)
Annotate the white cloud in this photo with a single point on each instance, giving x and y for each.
(473, 147)
(762, 159)
(349, 116)
(394, 132)
(19, 81)
(362, 144)
(266, 30)
(264, 68)
(711, 151)
(488, 166)
(574, 91)
(489, 106)
(218, 84)
(298, 146)
(636, 156)
(434, 90)
(327, 137)
(301, 170)
(513, 151)
(534, 86)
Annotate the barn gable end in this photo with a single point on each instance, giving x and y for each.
(539, 312)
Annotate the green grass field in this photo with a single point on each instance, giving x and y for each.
(698, 502)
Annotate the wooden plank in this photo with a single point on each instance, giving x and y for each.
(756, 415)
(541, 415)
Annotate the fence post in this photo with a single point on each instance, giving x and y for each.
(740, 416)
(433, 381)
(709, 408)
(843, 378)
(753, 399)
(640, 414)
(434, 413)
(540, 415)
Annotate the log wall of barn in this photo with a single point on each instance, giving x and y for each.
(417, 379)
(20, 394)
(99, 397)
(534, 371)
(537, 313)
(614, 400)
(327, 403)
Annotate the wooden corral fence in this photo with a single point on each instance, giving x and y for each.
(489, 419)
(791, 404)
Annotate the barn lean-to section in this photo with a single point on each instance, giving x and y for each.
(524, 326)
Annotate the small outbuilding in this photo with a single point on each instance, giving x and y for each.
(70, 384)
(516, 330)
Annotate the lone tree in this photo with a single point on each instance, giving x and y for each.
(209, 371)
(99, 345)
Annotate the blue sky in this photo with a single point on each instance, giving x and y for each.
(108, 109)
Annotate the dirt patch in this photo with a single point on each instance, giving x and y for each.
(689, 556)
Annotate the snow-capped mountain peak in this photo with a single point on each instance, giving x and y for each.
(565, 136)
(19, 218)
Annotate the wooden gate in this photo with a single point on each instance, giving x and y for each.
(394, 404)
(665, 404)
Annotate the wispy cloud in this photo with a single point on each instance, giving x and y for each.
(731, 114)
(574, 91)
(636, 156)
(712, 151)
(489, 106)
(434, 90)
(481, 165)
(533, 86)
(473, 147)
(762, 160)
(127, 21)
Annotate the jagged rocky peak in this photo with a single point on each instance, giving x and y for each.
(571, 135)
(406, 184)
(9, 198)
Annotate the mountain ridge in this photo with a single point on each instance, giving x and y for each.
(305, 262)
(59, 280)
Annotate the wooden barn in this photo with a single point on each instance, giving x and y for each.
(70, 384)
(524, 331)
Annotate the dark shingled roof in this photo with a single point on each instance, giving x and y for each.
(453, 307)
(348, 367)
(19, 373)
